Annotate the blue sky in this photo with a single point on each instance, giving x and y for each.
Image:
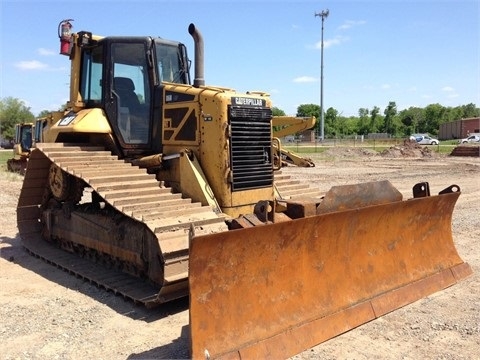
(412, 52)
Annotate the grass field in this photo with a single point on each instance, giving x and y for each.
(4, 156)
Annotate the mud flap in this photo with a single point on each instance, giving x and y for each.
(273, 291)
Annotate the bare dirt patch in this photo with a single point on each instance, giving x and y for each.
(46, 313)
(409, 149)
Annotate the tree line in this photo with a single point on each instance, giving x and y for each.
(14, 111)
(391, 121)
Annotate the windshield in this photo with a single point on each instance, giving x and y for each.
(171, 63)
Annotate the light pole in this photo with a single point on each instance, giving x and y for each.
(323, 15)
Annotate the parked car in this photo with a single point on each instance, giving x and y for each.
(7, 144)
(470, 139)
(414, 137)
(426, 140)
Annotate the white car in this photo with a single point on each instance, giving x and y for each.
(470, 139)
(414, 137)
(426, 140)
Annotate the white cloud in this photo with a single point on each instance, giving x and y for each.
(337, 40)
(386, 86)
(45, 52)
(351, 23)
(450, 92)
(305, 79)
(31, 65)
(37, 65)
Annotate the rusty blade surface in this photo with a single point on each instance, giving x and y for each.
(273, 291)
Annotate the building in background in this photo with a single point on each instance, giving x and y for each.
(459, 129)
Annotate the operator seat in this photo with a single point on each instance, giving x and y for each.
(125, 89)
(134, 123)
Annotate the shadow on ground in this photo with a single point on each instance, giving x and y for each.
(16, 253)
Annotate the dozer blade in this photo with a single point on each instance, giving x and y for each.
(273, 291)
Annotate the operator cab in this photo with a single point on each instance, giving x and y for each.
(23, 136)
(123, 76)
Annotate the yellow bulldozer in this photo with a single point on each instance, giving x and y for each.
(158, 187)
(23, 142)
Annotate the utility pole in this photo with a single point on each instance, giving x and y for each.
(323, 15)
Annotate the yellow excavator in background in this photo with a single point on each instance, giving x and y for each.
(158, 188)
(287, 125)
(23, 142)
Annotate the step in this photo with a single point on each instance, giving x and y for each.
(184, 222)
(171, 211)
(120, 203)
(154, 203)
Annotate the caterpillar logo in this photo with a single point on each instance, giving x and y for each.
(244, 101)
(173, 97)
(67, 119)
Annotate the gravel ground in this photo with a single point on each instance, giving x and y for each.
(46, 313)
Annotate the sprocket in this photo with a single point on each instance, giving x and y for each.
(63, 186)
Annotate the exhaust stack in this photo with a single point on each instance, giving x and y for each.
(199, 57)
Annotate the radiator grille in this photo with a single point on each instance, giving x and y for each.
(250, 147)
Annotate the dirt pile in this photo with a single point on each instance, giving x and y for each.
(347, 152)
(408, 149)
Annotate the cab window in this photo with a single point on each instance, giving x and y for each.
(91, 77)
(132, 90)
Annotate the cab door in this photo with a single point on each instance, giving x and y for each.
(128, 91)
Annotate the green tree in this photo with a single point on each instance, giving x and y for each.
(43, 113)
(390, 113)
(363, 121)
(375, 120)
(13, 111)
(437, 114)
(346, 126)
(277, 112)
(330, 128)
(433, 115)
(410, 120)
(454, 114)
(306, 110)
(469, 111)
